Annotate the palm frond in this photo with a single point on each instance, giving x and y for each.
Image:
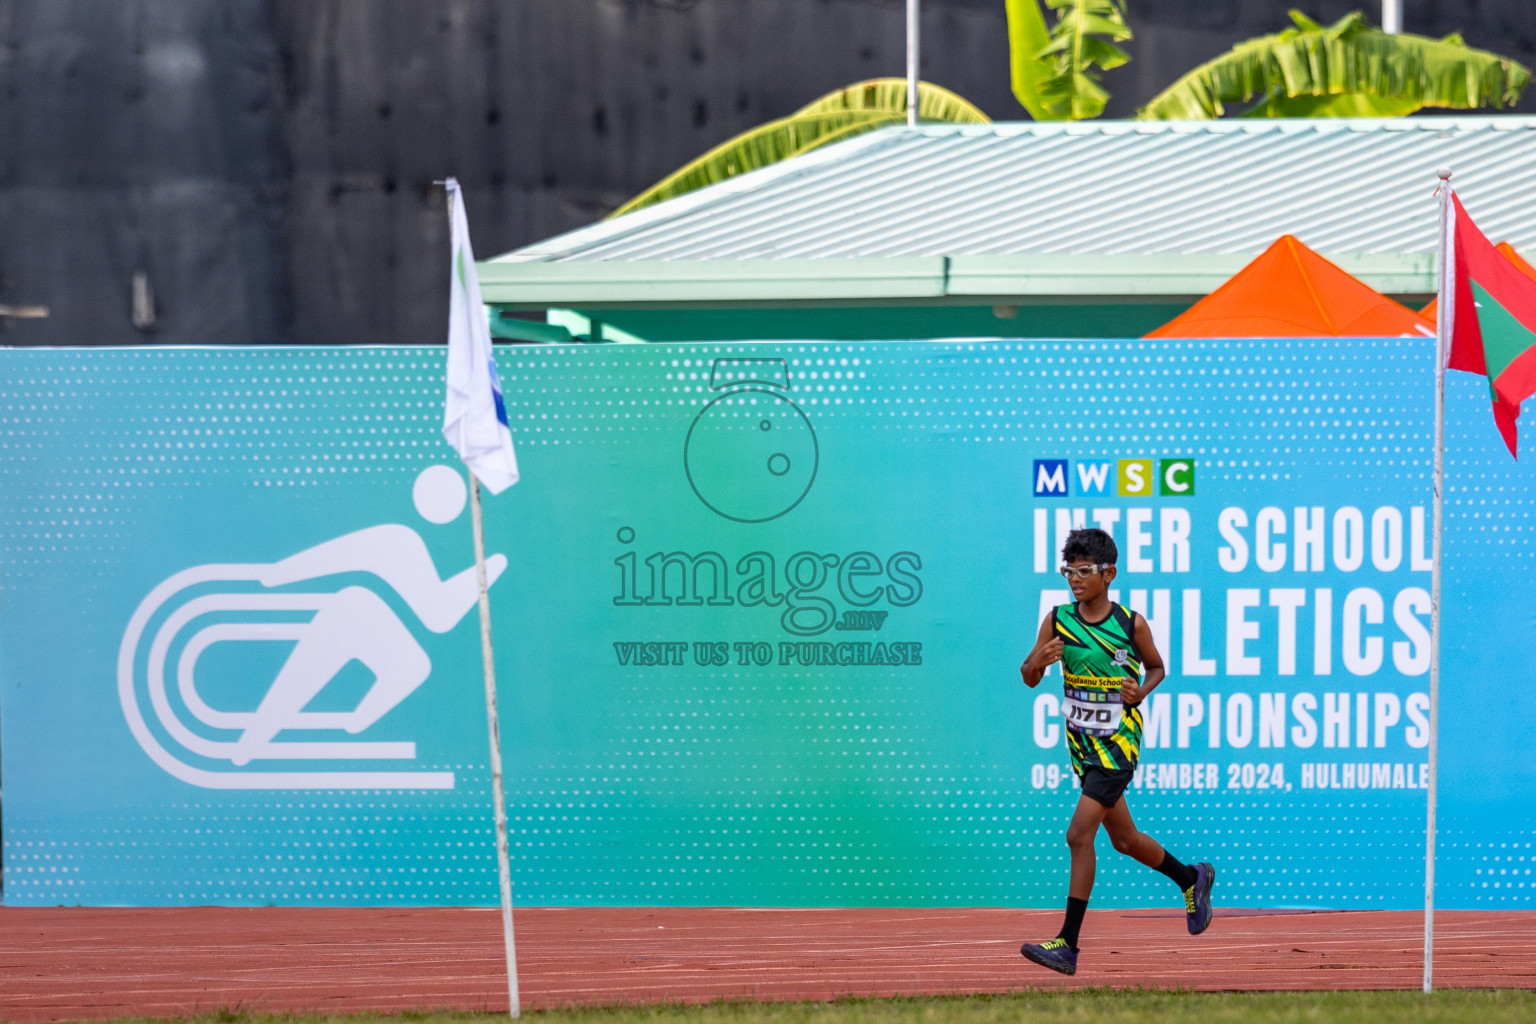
(934, 102)
(1082, 45)
(1027, 68)
(838, 115)
(758, 147)
(1347, 58)
(1347, 104)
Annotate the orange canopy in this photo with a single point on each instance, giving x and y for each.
(1428, 312)
(1289, 291)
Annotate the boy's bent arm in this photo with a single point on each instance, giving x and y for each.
(1047, 650)
(1151, 660)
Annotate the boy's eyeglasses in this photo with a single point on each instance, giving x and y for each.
(1081, 572)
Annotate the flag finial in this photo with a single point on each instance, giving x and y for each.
(1444, 173)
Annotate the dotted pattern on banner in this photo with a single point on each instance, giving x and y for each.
(1252, 413)
(678, 795)
(295, 418)
(96, 444)
(364, 850)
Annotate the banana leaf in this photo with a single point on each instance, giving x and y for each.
(1347, 58)
(1072, 90)
(1027, 39)
(934, 102)
(1347, 104)
(838, 115)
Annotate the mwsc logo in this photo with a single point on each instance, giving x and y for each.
(1127, 478)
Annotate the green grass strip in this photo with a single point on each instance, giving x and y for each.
(1090, 1006)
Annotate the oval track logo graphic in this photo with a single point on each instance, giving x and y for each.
(311, 608)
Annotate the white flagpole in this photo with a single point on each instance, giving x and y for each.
(913, 32)
(1392, 16)
(503, 862)
(1445, 321)
(475, 425)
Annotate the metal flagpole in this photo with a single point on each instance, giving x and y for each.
(1392, 16)
(503, 864)
(912, 47)
(1445, 320)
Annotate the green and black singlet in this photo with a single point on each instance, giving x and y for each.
(1096, 658)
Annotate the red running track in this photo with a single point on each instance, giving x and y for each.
(93, 963)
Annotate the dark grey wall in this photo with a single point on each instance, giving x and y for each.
(268, 163)
(142, 137)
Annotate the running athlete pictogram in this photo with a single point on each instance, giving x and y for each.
(327, 605)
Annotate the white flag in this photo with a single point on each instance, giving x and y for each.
(475, 417)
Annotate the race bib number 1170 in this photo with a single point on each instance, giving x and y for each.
(1095, 712)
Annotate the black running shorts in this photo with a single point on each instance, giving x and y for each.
(1106, 785)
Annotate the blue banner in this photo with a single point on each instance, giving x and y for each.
(758, 611)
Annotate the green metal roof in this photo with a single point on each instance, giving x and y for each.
(1095, 211)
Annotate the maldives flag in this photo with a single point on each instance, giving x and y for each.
(1493, 320)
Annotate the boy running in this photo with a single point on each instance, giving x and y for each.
(1102, 648)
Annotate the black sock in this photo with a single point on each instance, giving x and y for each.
(1182, 874)
(1076, 908)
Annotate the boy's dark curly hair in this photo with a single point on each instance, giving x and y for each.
(1092, 544)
